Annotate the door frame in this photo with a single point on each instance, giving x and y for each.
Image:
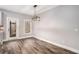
(25, 20)
(8, 19)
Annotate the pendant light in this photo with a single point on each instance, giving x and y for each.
(35, 17)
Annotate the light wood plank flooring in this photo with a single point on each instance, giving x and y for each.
(31, 46)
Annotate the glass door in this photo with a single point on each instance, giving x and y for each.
(12, 29)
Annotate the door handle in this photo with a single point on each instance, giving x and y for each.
(8, 29)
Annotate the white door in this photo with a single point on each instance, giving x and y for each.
(11, 28)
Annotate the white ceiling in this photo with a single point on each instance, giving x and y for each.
(27, 9)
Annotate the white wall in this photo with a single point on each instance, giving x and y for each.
(59, 25)
(21, 19)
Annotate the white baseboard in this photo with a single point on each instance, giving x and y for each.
(57, 44)
(17, 38)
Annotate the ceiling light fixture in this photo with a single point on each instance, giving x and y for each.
(35, 17)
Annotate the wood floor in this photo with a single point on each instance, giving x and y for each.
(31, 46)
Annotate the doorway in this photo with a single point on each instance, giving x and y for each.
(11, 28)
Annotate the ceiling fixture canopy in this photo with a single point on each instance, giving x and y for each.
(35, 17)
